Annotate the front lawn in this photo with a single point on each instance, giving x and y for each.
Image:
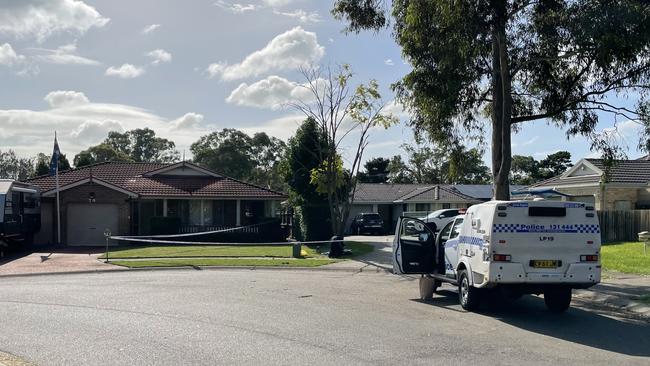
(183, 251)
(626, 257)
(245, 256)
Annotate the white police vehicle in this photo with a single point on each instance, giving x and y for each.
(519, 247)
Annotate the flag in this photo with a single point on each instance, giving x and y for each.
(56, 154)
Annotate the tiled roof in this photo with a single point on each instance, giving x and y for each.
(129, 176)
(386, 192)
(378, 192)
(623, 171)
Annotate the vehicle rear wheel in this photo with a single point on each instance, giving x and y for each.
(428, 287)
(468, 295)
(558, 299)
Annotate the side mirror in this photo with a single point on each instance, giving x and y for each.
(423, 237)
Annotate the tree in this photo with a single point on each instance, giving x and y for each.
(398, 171)
(142, 145)
(339, 112)
(267, 153)
(235, 154)
(99, 154)
(515, 61)
(15, 167)
(526, 170)
(436, 165)
(43, 164)
(467, 167)
(301, 158)
(227, 151)
(555, 164)
(376, 171)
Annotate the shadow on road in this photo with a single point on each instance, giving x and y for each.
(590, 326)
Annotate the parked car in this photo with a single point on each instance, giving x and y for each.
(370, 223)
(438, 219)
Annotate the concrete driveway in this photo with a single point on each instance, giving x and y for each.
(382, 256)
(54, 260)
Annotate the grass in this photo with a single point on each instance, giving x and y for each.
(235, 262)
(245, 256)
(206, 251)
(626, 257)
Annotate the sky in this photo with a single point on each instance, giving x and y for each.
(188, 68)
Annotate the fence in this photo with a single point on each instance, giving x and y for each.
(623, 225)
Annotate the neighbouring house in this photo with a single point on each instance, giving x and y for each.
(625, 187)
(394, 200)
(130, 199)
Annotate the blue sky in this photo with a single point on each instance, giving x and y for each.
(187, 68)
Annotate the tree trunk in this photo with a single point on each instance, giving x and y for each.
(501, 106)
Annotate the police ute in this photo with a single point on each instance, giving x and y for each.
(516, 247)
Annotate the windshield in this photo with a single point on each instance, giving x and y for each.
(371, 216)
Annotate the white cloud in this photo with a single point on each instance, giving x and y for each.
(65, 98)
(63, 55)
(189, 120)
(96, 130)
(272, 92)
(389, 62)
(282, 128)
(236, 8)
(301, 15)
(150, 28)
(126, 71)
(277, 3)
(9, 57)
(160, 56)
(289, 50)
(396, 109)
(80, 125)
(40, 19)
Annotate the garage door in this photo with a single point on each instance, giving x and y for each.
(87, 223)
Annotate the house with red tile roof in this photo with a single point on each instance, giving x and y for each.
(130, 198)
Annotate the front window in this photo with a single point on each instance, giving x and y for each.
(422, 207)
(455, 231)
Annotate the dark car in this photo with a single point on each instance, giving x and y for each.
(370, 223)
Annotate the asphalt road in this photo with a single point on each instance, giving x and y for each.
(279, 317)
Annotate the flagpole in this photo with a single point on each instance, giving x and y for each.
(55, 155)
(58, 210)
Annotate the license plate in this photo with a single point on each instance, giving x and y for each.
(544, 264)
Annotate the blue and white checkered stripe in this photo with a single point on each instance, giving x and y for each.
(588, 228)
(471, 240)
(520, 228)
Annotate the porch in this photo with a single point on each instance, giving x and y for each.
(183, 216)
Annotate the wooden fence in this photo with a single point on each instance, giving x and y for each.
(623, 225)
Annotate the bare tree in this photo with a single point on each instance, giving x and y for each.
(343, 115)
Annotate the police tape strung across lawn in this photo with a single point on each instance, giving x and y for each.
(197, 234)
(170, 242)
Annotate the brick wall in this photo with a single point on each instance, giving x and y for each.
(80, 194)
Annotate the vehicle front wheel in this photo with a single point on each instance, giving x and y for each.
(468, 295)
(557, 299)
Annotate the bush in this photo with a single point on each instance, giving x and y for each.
(315, 223)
